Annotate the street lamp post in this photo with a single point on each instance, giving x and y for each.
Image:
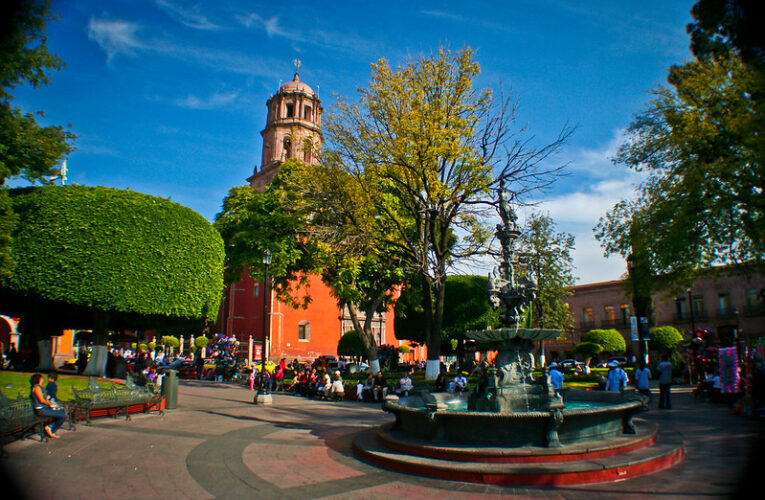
(690, 309)
(638, 303)
(263, 396)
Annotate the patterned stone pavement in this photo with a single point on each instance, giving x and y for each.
(217, 444)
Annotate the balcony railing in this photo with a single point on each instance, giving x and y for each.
(754, 310)
(728, 312)
(685, 316)
(587, 324)
(616, 323)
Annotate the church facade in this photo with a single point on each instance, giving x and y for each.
(293, 130)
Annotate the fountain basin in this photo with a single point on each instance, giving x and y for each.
(429, 417)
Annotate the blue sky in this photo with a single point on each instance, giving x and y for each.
(168, 96)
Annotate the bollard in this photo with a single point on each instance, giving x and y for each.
(170, 389)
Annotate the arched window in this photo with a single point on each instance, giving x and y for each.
(307, 113)
(290, 108)
(304, 331)
(287, 146)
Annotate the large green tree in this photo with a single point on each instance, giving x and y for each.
(27, 149)
(722, 26)
(700, 143)
(702, 203)
(548, 254)
(430, 148)
(466, 307)
(316, 221)
(102, 258)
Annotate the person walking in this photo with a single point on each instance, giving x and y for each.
(556, 377)
(617, 377)
(642, 378)
(665, 382)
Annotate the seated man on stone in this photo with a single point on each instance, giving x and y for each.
(460, 382)
(404, 385)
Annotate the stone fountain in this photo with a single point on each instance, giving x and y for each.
(513, 429)
(509, 386)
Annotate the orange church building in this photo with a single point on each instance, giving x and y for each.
(293, 130)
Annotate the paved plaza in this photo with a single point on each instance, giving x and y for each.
(217, 444)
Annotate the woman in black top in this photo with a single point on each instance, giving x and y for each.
(45, 407)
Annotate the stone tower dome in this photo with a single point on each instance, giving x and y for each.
(293, 129)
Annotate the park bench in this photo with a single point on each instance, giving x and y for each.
(116, 399)
(18, 420)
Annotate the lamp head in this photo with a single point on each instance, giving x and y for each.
(267, 256)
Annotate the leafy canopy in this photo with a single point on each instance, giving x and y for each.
(27, 149)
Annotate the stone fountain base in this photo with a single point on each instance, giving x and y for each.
(583, 462)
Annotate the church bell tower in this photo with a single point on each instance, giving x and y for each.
(293, 129)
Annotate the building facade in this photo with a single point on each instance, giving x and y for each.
(728, 305)
(293, 130)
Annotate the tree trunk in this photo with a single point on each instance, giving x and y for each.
(365, 333)
(432, 340)
(45, 357)
(99, 351)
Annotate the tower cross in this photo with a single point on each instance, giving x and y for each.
(296, 62)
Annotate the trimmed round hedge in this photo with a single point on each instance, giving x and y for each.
(115, 250)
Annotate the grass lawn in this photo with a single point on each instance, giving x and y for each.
(12, 383)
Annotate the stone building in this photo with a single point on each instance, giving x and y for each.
(728, 305)
(293, 130)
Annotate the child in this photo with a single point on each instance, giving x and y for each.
(51, 390)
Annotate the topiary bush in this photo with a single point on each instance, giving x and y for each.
(201, 342)
(171, 341)
(350, 345)
(610, 340)
(116, 251)
(664, 339)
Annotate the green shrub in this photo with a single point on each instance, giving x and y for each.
(350, 345)
(116, 251)
(664, 339)
(201, 342)
(611, 340)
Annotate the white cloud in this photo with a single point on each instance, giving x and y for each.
(215, 101)
(190, 17)
(589, 204)
(334, 40)
(442, 14)
(119, 37)
(115, 37)
(270, 25)
(590, 266)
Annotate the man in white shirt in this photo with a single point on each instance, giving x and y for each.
(404, 385)
(460, 382)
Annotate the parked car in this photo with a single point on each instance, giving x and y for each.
(622, 360)
(356, 367)
(570, 365)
